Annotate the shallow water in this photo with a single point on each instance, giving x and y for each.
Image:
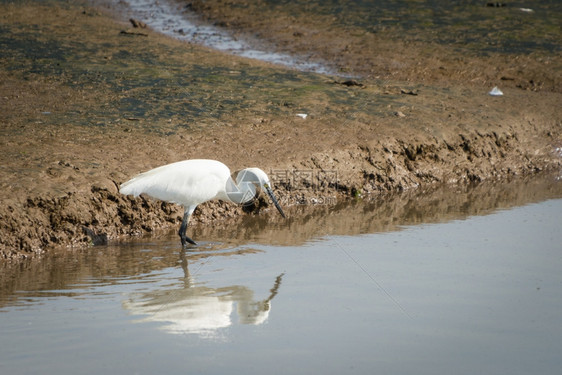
(514, 27)
(174, 19)
(457, 281)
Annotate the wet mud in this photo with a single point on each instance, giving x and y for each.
(86, 106)
(465, 43)
(389, 211)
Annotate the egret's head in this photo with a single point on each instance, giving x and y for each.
(259, 178)
(253, 175)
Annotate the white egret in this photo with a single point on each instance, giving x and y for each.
(192, 182)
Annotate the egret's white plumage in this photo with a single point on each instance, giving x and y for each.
(192, 182)
(186, 182)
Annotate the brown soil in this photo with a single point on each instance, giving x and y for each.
(408, 51)
(84, 107)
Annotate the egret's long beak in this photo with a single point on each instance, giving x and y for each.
(275, 202)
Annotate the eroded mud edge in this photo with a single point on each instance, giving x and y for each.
(60, 180)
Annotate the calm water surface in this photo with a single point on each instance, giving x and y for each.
(458, 281)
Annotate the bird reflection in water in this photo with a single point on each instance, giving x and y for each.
(198, 309)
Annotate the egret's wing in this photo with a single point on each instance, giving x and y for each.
(187, 182)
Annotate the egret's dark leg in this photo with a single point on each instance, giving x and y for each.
(183, 228)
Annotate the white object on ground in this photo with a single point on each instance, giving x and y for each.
(496, 92)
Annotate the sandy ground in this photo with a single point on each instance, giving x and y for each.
(84, 106)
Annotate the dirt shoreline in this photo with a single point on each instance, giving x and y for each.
(84, 107)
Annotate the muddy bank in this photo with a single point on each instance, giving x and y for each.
(84, 107)
(389, 211)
